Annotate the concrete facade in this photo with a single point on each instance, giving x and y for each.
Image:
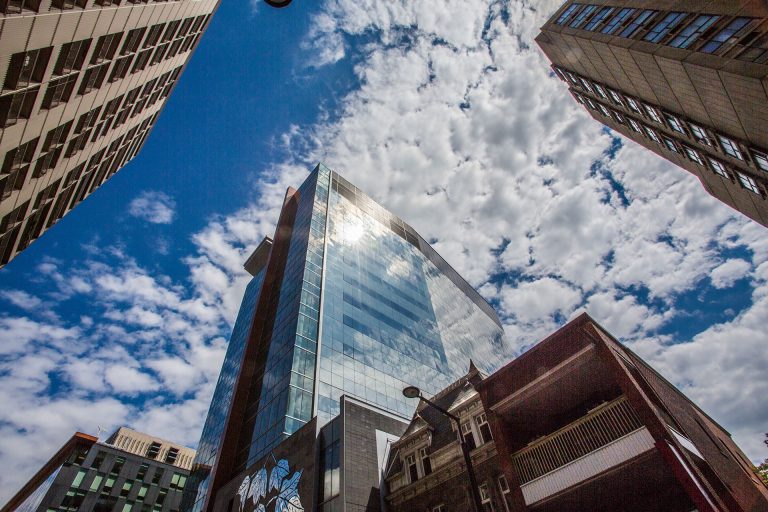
(83, 83)
(687, 80)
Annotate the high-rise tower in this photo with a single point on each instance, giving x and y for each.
(347, 300)
(83, 82)
(687, 80)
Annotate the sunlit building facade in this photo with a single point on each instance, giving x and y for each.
(687, 80)
(353, 303)
(83, 83)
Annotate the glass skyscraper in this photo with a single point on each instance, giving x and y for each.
(349, 301)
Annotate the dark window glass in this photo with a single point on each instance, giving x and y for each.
(17, 106)
(57, 136)
(154, 35)
(724, 35)
(59, 91)
(692, 32)
(663, 27)
(119, 461)
(618, 20)
(67, 4)
(567, 13)
(16, 6)
(158, 475)
(71, 57)
(640, 21)
(27, 68)
(133, 40)
(106, 46)
(93, 78)
(599, 18)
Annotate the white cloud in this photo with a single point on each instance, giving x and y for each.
(153, 206)
(725, 275)
(22, 299)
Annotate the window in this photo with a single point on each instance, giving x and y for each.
(170, 457)
(93, 78)
(652, 113)
(161, 496)
(467, 435)
(670, 144)
(579, 19)
(132, 41)
(603, 110)
(634, 124)
(141, 61)
(506, 494)
(127, 507)
(59, 91)
(27, 68)
(483, 428)
(599, 18)
(730, 147)
(73, 500)
(16, 6)
(126, 489)
(567, 14)
(618, 20)
(485, 497)
(158, 475)
(154, 448)
(121, 68)
(700, 134)
(662, 28)
(761, 160)
(615, 97)
(71, 57)
(634, 105)
(725, 35)
(692, 32)
(694, 155)
(439, 508)
(117, 466)
(154, 35)
(78, 478)
(748, 183)
(106, 46)
(411, 468)
(600, 91)
(178, 481)
(108, 485)
(674, 123)
(640, 21)
(67, 4)
(17, 106)
(142, 491)
(426, 464)
(719, 168)
(142, 472)
(652, 134)
(618, 117)
(96, 483)
(586, 85)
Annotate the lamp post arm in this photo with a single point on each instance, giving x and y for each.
(450, 415)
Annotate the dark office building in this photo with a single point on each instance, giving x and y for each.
(687, 80)
(130, 472)
(83, 82)
(347, 299)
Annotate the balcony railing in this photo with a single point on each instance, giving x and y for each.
(595, 430)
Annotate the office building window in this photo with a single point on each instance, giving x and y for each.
(634, 105)
(27, 68)
(701, 135)
(567, 13)
(126, 489)
(761, 160)
(17, 106)
(93, 78)
(652, 113)
(601, 15)
(670, 144)
(692, 32)
(582, 16)
(674, 123)
(600, 91)
(639, 22)
(72, 500)
(17, 6)
(133, 40)
(719, 168)
(730, 147)
(615, 97)
(142, 471)
(618, 20)
(618, 117)
(506, 493)
(603, 110)
(59, 91)
(663, 27)
(635, 126)
(178, 481)
(725, 35)
(485, 497)
(652, 134)
(71, 57)
(96, 483)
(748, 183)
(694, 155)
(586, 85)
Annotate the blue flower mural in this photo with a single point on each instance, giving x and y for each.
(277, 492)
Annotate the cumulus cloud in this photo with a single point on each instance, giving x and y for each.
(153, 206)
(723, 276)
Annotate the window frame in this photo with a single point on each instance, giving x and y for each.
(730, 147)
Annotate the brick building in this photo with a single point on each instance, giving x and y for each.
(687, 80)
(83, 82)
(578, 422)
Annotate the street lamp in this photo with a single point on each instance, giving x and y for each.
(278, 3)
(414, 392)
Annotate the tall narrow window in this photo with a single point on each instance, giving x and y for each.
(674, 123)
(27, 68)
(483, 428)
(426, 464)
(663, 27)
(582, 16)
(730, 147)
(761, 160)
(485, 497)
(748, 183)
(71, 57)
(652, 134)
(719, 168)
(59, 91)
(652, 113)
(694, 155)
(635, 126)
(701, 135)
(506, 494)
(17, 106)
(725, 35)
(670, 145)
(413, 470)
(467, 435)
(618, 20)
(615, 97)
(692, 32)
(634, 105)
(599, 18)
(567, 13)
(639, 22)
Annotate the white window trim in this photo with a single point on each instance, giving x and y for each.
(748, 182)
(725, 142)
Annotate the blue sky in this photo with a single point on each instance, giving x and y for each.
(444, 111)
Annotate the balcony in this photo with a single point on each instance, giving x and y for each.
(605, 438)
